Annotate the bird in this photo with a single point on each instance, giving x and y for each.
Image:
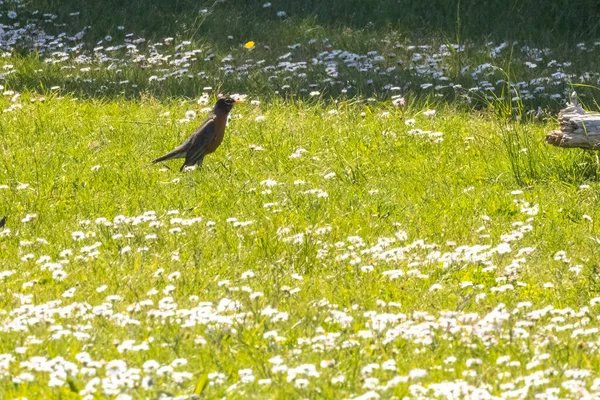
(3, 221)
(206, 139)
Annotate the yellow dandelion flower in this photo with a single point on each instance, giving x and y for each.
(249, 45)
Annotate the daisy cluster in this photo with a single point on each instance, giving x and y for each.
(127, 62)
(183, 326)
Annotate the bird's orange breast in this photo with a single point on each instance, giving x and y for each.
(220, 124)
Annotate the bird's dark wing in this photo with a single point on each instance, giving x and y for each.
(182, 150)
(199, 142)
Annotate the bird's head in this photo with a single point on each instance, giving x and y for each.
(225, 104)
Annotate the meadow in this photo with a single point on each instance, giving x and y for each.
(383, 219)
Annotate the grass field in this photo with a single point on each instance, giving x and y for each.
(339, 244)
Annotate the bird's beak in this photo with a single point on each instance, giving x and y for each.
(238, 101)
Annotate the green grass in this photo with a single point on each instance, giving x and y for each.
(423, 186)
(417, 246)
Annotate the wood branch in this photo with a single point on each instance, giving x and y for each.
(578, 129)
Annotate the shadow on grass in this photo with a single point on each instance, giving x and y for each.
(353, 25)
(532, 20)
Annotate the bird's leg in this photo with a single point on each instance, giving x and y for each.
(200, 161)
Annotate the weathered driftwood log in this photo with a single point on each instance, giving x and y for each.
(577, 128)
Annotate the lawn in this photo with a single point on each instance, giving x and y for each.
(382, 220)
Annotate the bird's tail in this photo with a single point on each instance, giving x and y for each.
(168, 156)
(159, 159)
